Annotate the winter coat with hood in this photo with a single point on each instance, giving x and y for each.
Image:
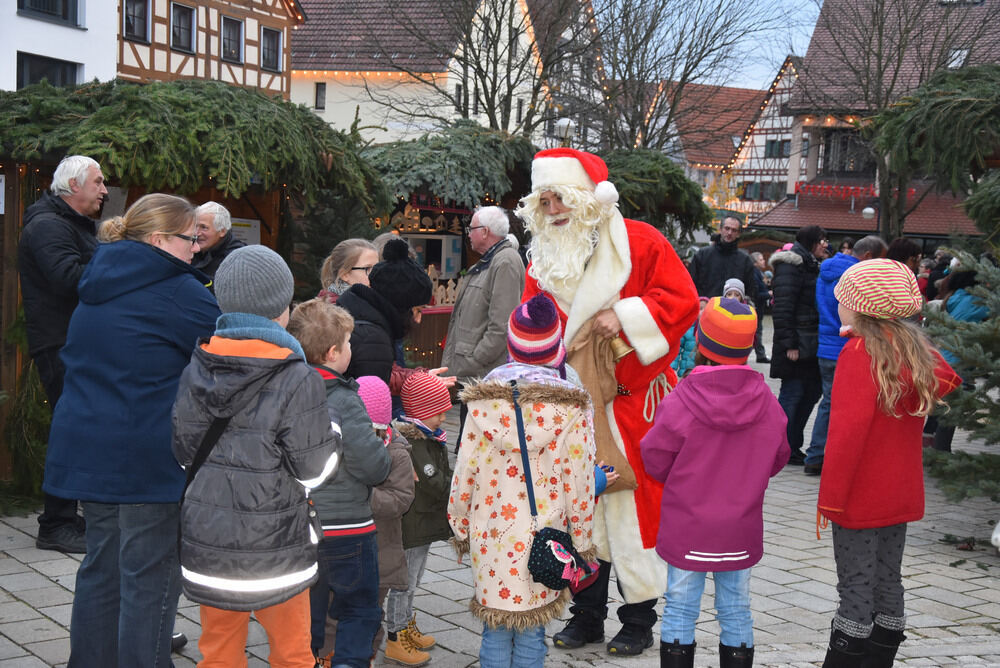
(794, 314)
(830, 271)
(477, 332)
(345, 500)
(56, 245)
(488, 508)
(377, 324)
(427, 519)
(140, 315)
(715, 463)
(873, 472)
(713, 265)
(246, 538)
(390, 500)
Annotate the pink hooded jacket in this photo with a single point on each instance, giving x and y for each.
(717, 440)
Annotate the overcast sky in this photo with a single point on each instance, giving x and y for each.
(764, 60)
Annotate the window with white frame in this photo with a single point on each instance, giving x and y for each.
(136, 20)
(31, 69)
(58, 11)
(232, 40)
(182, 24)
(270, 49)
(957, 58)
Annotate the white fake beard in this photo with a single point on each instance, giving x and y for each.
(559, 254)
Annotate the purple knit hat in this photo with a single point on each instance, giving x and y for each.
(534, 333)
(378, 402)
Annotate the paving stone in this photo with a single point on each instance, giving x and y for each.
(27, 661)
(10, 649)
(16, 611)
(46, 596)
(53, 567)
(37, 629)
(53, 652)
(61, 614)
(17, 582)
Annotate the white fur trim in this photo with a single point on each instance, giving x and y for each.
(641, 573)
(641, 329)
(548, 172)
(605, 276)
(606, 193)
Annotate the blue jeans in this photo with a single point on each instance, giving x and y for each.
(814, 454)
(349, 570)
(732, 606)
(127, 586)
(797, 397)
(507, 648)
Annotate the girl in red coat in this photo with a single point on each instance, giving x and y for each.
(888, 379)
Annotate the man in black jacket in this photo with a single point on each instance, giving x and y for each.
(713, 265)
(214, 228)
(57, 242)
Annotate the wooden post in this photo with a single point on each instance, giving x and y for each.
(10, 354)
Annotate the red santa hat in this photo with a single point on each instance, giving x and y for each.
(570, 167)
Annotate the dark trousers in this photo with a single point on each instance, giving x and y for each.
(463, 412)
(591, 604)
(57, 511)
(758, 337)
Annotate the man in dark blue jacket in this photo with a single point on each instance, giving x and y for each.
(57, 242)
(830, 341)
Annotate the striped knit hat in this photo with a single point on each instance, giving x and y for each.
(424, 396)
(881, 288)
(726, 330)
(534, 333)
(378, 402)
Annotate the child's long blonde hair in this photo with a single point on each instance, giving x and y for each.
(896, 346)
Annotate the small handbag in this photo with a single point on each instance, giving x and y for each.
(552, 561)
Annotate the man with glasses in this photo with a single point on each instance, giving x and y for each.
(58, 240)
(213, 225)
(477, 333)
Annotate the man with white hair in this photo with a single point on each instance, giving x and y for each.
(214, 228)
(477, 332)
(57, 242)
(625, 300)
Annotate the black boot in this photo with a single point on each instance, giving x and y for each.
(735, 657)
(845, 651)
(676, 655)
(631, 640)
(881, 646)
(578, 632)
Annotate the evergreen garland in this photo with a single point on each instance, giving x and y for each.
(653, 188)
(180, 135)
(461, 164)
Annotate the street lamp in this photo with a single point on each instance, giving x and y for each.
(868, 212)
(565, 127)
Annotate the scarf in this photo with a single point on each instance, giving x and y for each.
(249, 326)
(433, 434)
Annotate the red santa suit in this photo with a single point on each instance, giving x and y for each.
(634, 271)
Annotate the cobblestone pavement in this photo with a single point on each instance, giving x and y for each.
(952, 596)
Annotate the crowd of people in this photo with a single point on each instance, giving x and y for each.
(283, 460)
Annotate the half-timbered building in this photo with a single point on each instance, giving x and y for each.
(244, 43)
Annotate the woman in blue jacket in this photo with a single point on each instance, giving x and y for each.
(142, 309)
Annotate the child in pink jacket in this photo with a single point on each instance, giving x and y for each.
(717, 440)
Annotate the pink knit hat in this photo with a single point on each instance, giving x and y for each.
(378, 402)
(424, 396)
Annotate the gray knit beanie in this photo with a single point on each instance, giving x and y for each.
(254, 279)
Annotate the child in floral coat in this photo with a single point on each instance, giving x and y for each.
(488, 507)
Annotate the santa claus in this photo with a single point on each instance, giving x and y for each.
(625, 300)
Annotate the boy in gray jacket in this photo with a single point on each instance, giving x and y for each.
(348, 553)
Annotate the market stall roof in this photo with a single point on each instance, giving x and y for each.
(829, 206)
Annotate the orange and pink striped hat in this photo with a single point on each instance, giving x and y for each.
(882, 289)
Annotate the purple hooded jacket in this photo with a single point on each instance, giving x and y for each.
(717, 440)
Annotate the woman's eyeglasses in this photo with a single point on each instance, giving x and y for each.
(367, 270)
(185, 237)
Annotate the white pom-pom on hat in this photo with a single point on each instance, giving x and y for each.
(606, 193)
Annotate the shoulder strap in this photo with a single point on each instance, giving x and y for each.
(524, 450)
(208, 442)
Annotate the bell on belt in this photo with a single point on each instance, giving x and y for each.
(619, 348)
